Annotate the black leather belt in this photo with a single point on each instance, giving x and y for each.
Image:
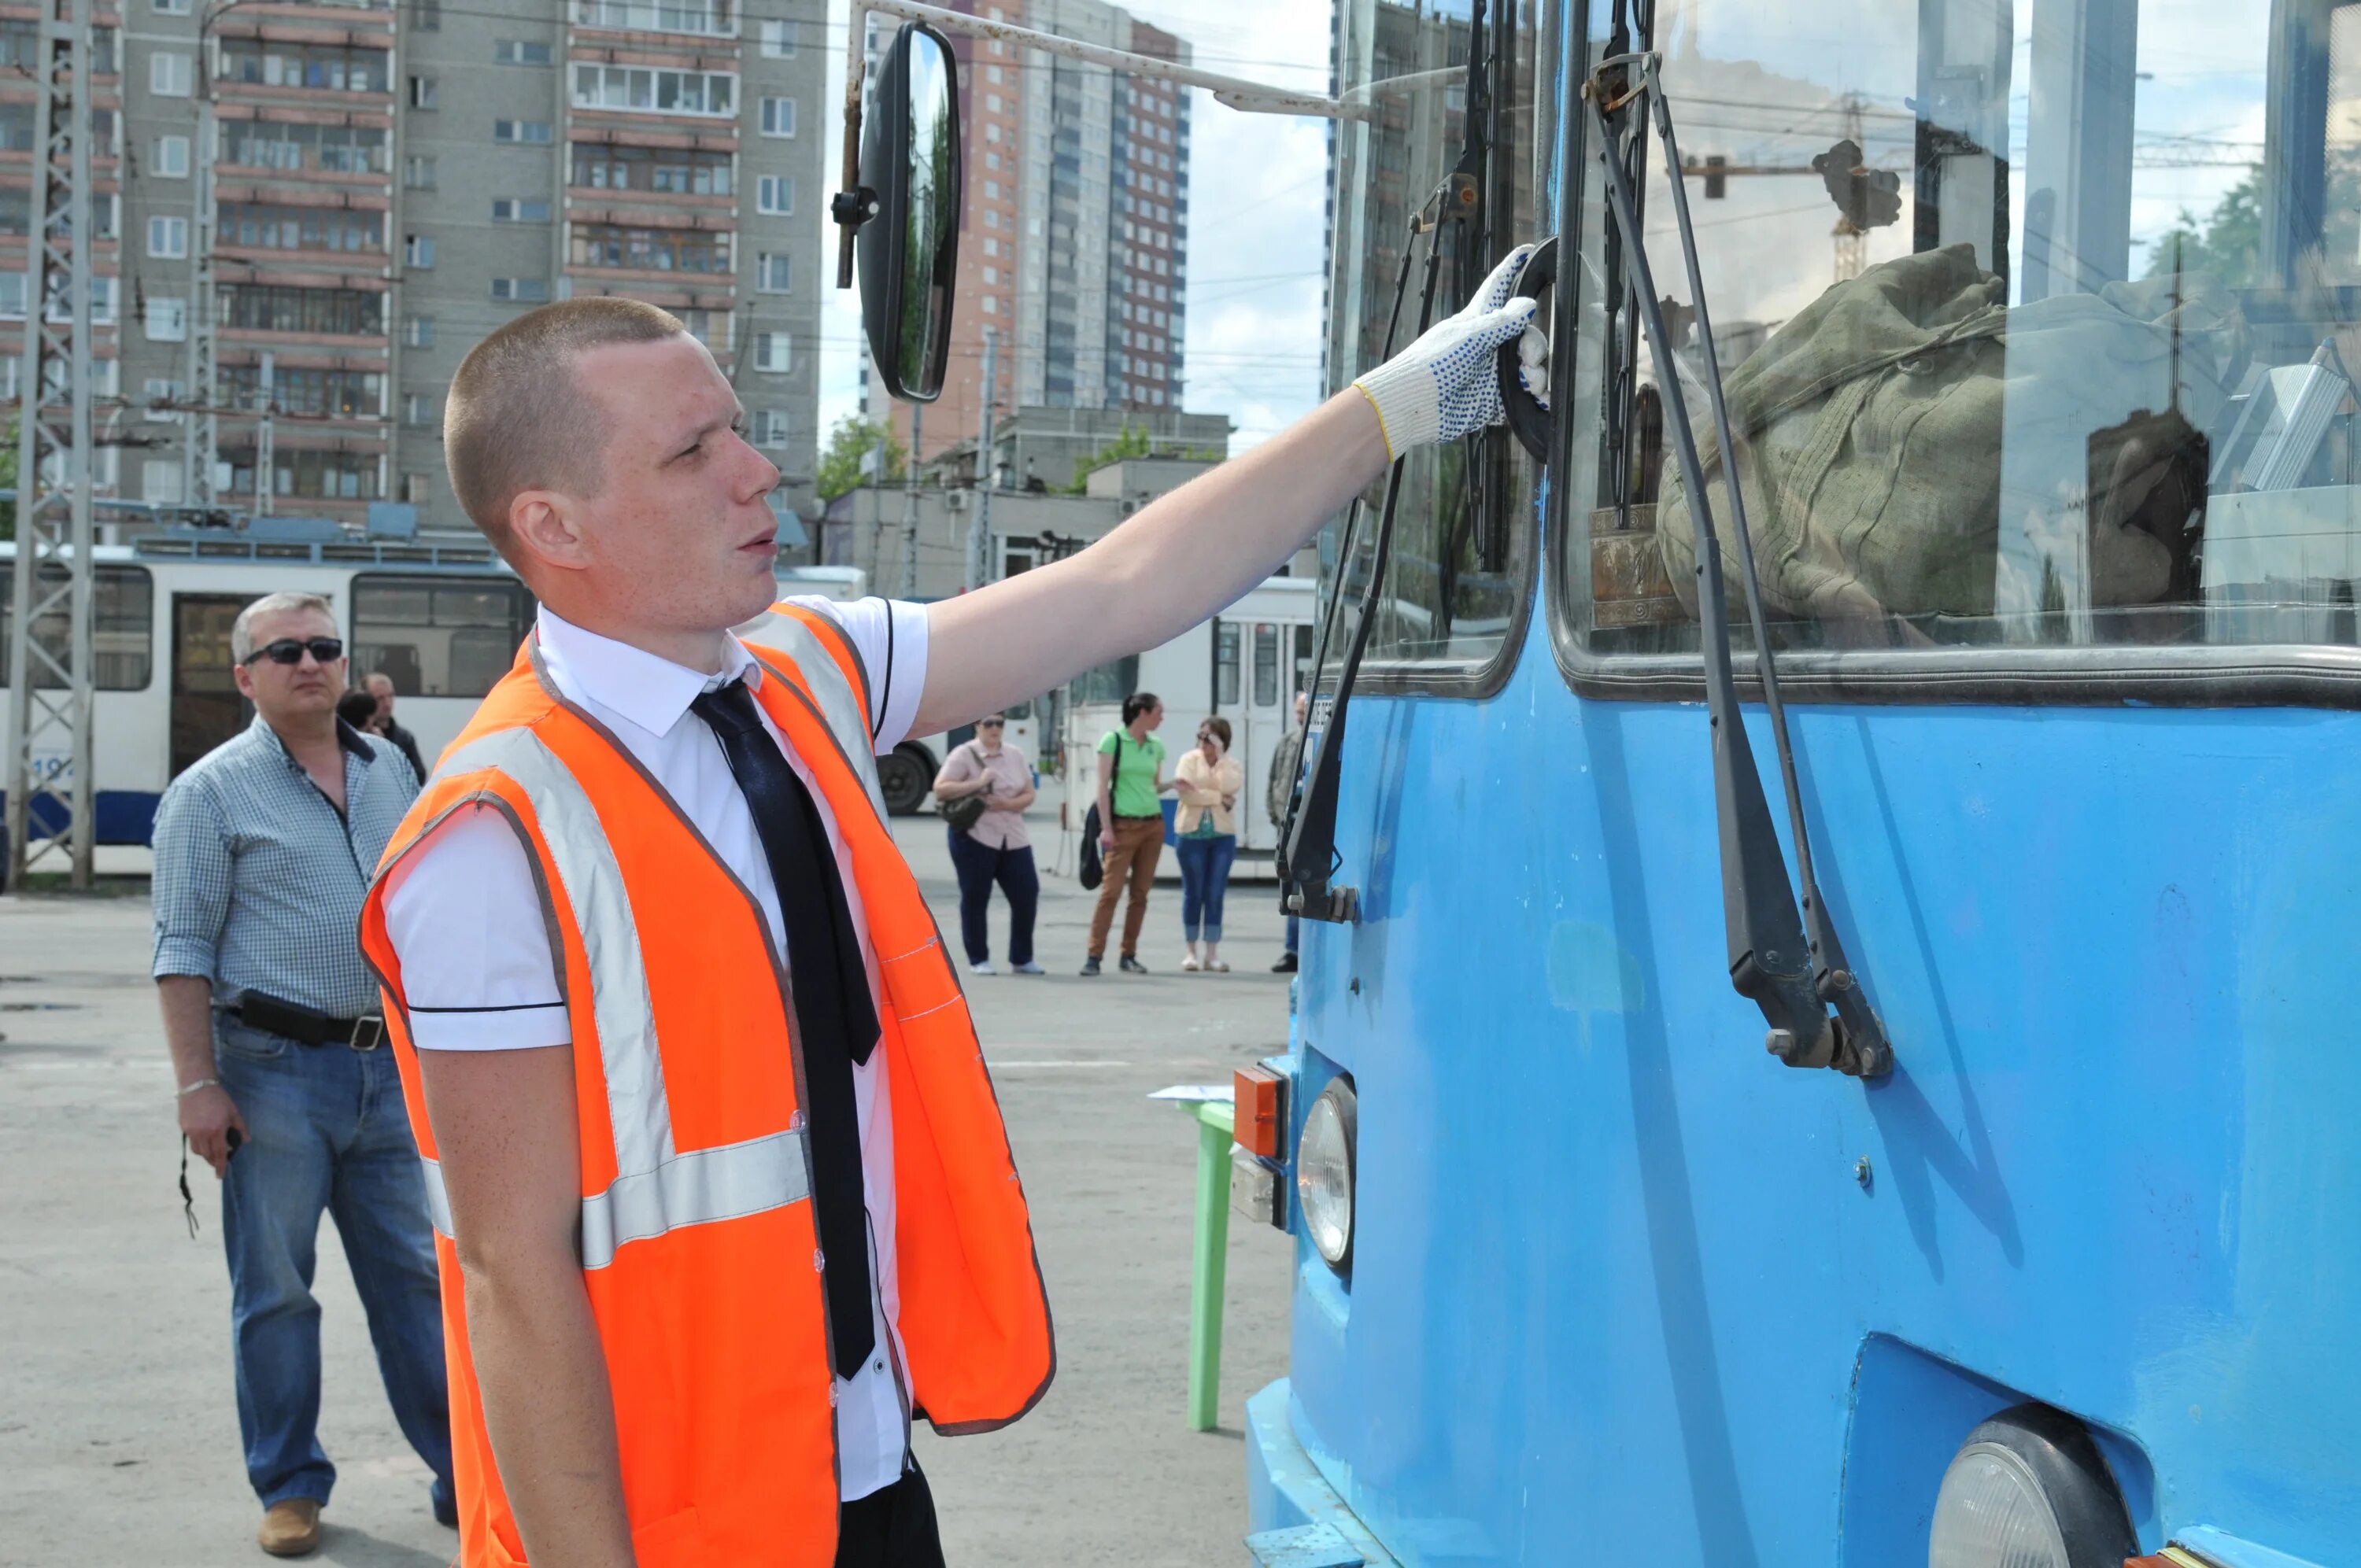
(309, 1025)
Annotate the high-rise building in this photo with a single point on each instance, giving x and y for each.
(1074, 242)
(391, 183)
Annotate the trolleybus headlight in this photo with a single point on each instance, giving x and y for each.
(2029, 1490)
(1323, 1172)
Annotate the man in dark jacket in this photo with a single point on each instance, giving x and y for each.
(381, 686)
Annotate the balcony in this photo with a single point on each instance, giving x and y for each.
(650, 252)
(697, 18)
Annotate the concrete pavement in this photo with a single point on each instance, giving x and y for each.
(118, 1435)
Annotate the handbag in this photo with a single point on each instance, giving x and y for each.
(1093, 870)
(962, 815)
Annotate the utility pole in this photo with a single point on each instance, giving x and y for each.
(201, 436)
(51, 779)
(910, 506)
(979, 538)
(265, 436)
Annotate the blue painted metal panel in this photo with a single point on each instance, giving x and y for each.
(122, 816)
(1616, 1277)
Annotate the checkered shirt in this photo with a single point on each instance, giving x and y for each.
(259, 882)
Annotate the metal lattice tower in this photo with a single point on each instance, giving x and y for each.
(50, 781)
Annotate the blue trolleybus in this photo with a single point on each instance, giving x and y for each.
(1893, 1103)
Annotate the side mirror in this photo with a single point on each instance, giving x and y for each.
(908, 211)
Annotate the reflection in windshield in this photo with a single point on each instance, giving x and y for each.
(927, 271)
(1456, 573)
(2034, 322)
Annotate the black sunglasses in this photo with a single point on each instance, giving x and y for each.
(991, 723)
(291, 650)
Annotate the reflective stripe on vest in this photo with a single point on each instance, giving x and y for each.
(785, 632)
(656, 1188)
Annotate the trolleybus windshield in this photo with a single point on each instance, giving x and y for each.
(2037, 325)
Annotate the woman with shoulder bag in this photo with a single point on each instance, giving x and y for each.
(983, 789)
(1207, 828)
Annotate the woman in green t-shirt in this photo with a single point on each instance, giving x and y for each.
(1131, 825)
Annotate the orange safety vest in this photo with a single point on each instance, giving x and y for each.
(697, 1240)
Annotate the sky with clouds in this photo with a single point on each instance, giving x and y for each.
(1258, 194)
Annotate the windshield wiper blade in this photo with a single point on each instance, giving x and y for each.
(1791, 965)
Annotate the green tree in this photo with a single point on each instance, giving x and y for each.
(2228, 245)
(850, 444)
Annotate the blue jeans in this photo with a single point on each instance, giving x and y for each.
(1204, 877)
(326, 1130)
(979, 866)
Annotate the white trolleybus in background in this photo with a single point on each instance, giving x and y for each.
(1245, 665)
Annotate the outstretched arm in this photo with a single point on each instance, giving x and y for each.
(1190, 553)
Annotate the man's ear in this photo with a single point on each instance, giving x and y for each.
(545, 527)
(244, 676)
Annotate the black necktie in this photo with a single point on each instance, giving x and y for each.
(834, 1016)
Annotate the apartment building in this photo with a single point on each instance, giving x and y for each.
(391, 183)
(1073, 243)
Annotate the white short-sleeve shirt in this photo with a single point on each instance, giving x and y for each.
(464, 918)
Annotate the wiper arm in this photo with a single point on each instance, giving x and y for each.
(1307, 841)
(1791, 966)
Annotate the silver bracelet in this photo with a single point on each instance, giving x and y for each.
(189, 1089)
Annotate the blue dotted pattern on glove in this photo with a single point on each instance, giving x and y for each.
(1467, 383)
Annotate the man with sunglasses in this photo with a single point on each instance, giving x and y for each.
(263, 854)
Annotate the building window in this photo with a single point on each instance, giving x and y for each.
(160, 389)
(438, 637)
(251, 227)
(770, 427)
(297, 389)
(420, 407)
(337, 149)
(168, 319)
(168, 238)
(170, 75)
(418, 331)
(650, 250)
(773, 274)
(323, 66)
(520, 52)
(12, 295)
(416, 488)
(521, 291)
(173, 7)
(279, 307)
(776, 194)
(418, 250)
(159, 481)
(519, 210)
(171, 160)
(678, 173)
(651, 90)
(774, 352)
(530, 133)
(778, 116)
(418, 172)
(710, 17)
(426, 15)
(779, 41)
(422, 91)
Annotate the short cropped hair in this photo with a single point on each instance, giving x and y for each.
(241, 631)
(515, 420)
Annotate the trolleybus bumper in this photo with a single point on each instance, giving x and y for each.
(1295, 1520)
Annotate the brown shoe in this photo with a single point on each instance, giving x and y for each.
(291, 1528)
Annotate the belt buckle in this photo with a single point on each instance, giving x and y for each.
(369, 1032)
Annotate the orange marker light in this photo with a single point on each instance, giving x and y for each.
(1260, 1113)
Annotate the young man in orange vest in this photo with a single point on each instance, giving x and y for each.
(722, 1193)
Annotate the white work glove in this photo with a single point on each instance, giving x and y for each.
(1446, 384)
